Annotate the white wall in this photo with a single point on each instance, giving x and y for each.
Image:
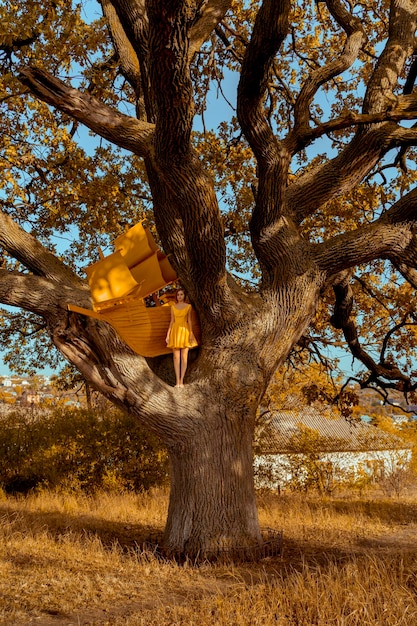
(274, 471)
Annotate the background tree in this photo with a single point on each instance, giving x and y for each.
(318, 224)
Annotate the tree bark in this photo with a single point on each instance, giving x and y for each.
(212, 506)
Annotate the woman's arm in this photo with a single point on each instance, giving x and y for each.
(190, 323)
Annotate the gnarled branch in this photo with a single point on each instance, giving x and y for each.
(128, 21)
(399, 46)
(122, 130)
(212, 13)
(26, 249)
(270, 29)
(373, 139)
(128, 59)
(177, 166)
(404, 108)
(356, 38)
(392, 237)
(341, 319)
(40, 295)
(409, 273)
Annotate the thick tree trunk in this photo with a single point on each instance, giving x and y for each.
(208, 425)
(212, 508)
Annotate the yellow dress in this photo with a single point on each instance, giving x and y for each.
(179, 336)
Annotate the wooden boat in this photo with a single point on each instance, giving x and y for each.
(119, 284)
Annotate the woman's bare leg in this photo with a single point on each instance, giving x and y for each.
(184, 361)
(177, 366)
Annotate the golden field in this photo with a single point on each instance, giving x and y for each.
(68, 559)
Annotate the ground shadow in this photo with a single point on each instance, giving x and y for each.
(126, 536)
(295, 556)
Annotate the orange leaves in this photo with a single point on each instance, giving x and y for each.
(58, 179)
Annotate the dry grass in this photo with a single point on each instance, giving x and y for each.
(72, 560)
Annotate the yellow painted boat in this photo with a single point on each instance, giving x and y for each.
(136, 267)
(142, 328)
(119, 283)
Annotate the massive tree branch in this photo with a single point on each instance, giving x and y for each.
(26, 249)
(122, 130)
(127, 381)
(37, 294)
(392, 237)
(270, 29)
(371, 140)
(128, 59)
(399, 46)
(409, 273)
(84, 341)
(403, 108)
(212, 13)
(129, 21)
(378, 240)
(170, 74)
(176, 164)
(403, 211)
(356, 38)
(339, 175)
(170, 203)
(341, 319)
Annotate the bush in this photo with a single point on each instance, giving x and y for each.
(78, 448)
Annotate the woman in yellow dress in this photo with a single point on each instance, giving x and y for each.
(180, 336)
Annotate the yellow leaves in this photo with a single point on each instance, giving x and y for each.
(55, 33)
(50, 180)
(305, 384)
(293, 77)
(361, 205)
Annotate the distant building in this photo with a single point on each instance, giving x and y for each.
(29, 398)
(336, 446)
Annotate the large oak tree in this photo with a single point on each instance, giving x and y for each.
(307, 189)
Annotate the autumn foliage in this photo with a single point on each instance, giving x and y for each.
(77, 450)
(271, 147)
